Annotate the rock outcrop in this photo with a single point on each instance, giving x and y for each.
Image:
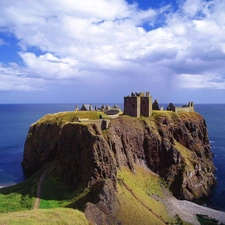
(175, 146)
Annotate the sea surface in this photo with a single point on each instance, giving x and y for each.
(15, 120)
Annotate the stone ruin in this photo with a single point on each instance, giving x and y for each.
(136, 105)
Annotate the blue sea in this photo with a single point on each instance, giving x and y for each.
(16, 119)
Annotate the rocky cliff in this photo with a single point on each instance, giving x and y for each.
(175, 146)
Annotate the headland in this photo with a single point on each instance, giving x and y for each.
(126, 168)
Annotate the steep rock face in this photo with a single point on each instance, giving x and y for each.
(40, 146)
(176, 146)
(83, 155)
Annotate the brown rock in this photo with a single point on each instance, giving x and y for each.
(176, 146)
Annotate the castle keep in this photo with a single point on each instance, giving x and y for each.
(138, 104)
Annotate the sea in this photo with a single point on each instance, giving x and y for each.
(15, 120)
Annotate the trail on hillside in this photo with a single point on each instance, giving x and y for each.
(38, 198)
(132, 193)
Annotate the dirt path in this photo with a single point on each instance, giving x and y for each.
(38, 200)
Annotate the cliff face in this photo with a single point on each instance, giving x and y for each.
(175, 146)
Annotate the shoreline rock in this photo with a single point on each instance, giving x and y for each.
(187, 210)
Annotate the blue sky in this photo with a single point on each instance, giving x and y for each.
(73, 51)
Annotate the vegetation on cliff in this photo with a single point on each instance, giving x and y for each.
(62, 118)
(137, 200)
(118, 174)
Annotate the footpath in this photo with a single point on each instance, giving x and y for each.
(38, 198)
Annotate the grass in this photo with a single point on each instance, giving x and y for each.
(44, 217)
(186, 154)
(169, 114)
(56, 193)
(145, 209)
(65, 117)
(157, 117)
(139, 203)
(20, 196)
(17, 201)
(146, 186)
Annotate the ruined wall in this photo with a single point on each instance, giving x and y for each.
(185, 108)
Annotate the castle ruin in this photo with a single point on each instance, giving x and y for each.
(138, 104)
(185, 108)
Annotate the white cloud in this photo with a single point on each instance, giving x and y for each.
(112, 40)
(13, 78)
(192, 7)
(49, 66)
(196, 81)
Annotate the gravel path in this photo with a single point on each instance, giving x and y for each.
(187, 210)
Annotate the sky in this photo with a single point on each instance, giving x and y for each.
(98, 51)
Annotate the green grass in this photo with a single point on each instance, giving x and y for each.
(44, 217)
(205, 220)
(169, 114)
(145, 208)
(66, 117)
(20, 196)
(56, 193)
(17, 201)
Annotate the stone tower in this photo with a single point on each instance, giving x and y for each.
(138, 104)
(146, 105)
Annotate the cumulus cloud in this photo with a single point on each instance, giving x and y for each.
(49, 66)
(14, 79)
(114, 41)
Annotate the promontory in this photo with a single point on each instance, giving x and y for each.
(124, 167)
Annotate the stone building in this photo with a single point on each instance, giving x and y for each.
(155, 105)
(185, 108)
(86, 107)
(138, 104)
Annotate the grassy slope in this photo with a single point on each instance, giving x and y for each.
(17, 201)
(20, 196)
(139, 204)
(44, 217)
(144, 184)
(139, 199)
(55, 193)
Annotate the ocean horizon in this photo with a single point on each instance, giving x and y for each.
(15, 120)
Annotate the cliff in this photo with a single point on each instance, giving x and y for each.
(174, 146)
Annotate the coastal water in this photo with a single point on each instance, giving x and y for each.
(15, 121)
(214, 115)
